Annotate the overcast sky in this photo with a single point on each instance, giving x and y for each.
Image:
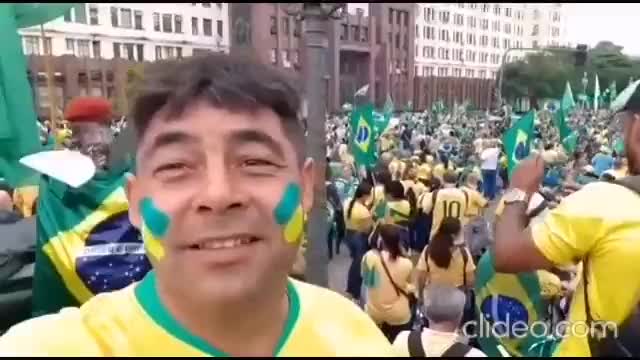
(590, 23)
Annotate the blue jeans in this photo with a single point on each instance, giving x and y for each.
(358, 246)
(489, 183)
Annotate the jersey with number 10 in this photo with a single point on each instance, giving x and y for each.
(449, 202)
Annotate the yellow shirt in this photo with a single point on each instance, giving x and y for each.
(398, 212)
(360, 219)
(452, 275)
(384, 305)
(449, 202)
(24, 198)
(435, 343)
(601, 223)
(439, 169)
(424, 171)
(419, 188)
(133, 322)
(476, 203)
(396, 168)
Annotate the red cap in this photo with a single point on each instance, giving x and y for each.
(88, 109)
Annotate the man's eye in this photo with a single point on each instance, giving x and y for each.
(257, 162)
(172, 169)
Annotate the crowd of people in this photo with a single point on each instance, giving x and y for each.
(197, 247)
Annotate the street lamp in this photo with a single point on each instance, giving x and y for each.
(316, 18)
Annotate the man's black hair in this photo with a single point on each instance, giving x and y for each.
(229, 82)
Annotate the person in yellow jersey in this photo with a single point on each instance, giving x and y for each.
(387, 277)
(449, 201)
(358, 223)
(476, 228)
(598, 224)
(398, 211)
(220, 191)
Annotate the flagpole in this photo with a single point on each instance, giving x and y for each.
(50, 79)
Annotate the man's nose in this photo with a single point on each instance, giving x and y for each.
(220, 189)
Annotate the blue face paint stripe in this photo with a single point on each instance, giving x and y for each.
(288, 205)
(155, 219)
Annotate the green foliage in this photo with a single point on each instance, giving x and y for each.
(543, 74)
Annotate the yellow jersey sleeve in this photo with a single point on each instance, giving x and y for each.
(570, 230)
(550, 284)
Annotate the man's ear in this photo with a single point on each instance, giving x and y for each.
(308, 184)
(132, 191)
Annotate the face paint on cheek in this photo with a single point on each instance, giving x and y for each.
(288, 214)
(155, 225)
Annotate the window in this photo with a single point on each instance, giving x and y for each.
(443, 72)
(406, 18)
(444, 17)
(344, 33)
(431, 52)
(398, 17)
(116, 50)
(417, 31)
(166, 23)
(285, 25)
(156, 22)
(140, 52)
(168, 52)
(93, 14)
(484, 24)
(273, 56)
(405, 45)
(207, 5)
(83, 48)
(555, 32)
(470, 73)
(47, 46)
(457, 37)
(274, 25)
(194, 26)
(128, 49)
(471, 21)
(397, 40)
(125, 17)
(114, 16)
(496, 9)
(177, 24)
(429, 71)
(67, 16)
(95, 45)
(356, 32)
(220, 28)
(444, 35)
(71, 45)
(506, 43)
(207, 30)
(431, 14)
(507, 28)
(496, 42)
(457, 72)
(158, 52)
(296, 57)
(507, 12)
(286, 58)
(298, 27)
(137, 17)
(81, 13)
(179, 52)
(484, 40)
(496, 26)
(390, 16)
(485, 8)
(471, 39)
(365, 34)
(483, 57)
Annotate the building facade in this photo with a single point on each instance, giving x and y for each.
(133, 31)
(470, 39)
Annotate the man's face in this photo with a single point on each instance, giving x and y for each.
(632, 141)
(93, 140)
(219, 183)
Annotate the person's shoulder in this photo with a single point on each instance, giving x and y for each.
(340, 318)
(72, 331)
(598, 198)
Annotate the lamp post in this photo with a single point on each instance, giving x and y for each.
(316, 19)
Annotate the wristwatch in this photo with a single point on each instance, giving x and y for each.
(514, 195)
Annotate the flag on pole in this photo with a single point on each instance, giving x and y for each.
(567, 103)
(362, 91)
(383, 119)
(596, 94)
(363, 136)
(517, 141)
(621, 100)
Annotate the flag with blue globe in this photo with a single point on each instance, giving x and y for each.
(517, 141)
(363, 136)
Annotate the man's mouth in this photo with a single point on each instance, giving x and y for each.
(224, 243)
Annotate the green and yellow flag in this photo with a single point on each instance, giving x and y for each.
(86, 244)
(503, 303)
(363, 136)
(517, 141)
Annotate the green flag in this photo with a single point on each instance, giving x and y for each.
(621, 100)
(596, 94)
(517, 141)
(19, 134)
(568, 138)
(567, 103)
(382, 120)
(363, 136)
(618, 146)
(86, 244)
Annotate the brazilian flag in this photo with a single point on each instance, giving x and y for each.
(517, 141)
(363, 136)
(503, 302)
(86, 244)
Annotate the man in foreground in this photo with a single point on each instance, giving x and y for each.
(599, 225)
(221, 188)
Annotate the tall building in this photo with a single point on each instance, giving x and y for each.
(470, 39)
(133, 31)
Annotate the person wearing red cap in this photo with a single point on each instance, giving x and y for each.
(90, 119)
(86, 244)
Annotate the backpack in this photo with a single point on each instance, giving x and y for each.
(416, 348)
(626, 343)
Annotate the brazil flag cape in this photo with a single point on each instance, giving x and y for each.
(503, 299)
(86, 244)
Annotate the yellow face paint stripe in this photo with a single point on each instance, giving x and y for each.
(154, 247)
(295, 227)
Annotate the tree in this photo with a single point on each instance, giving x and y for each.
(543, 74)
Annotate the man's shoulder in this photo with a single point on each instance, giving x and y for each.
(70, 331)
(598, 199)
